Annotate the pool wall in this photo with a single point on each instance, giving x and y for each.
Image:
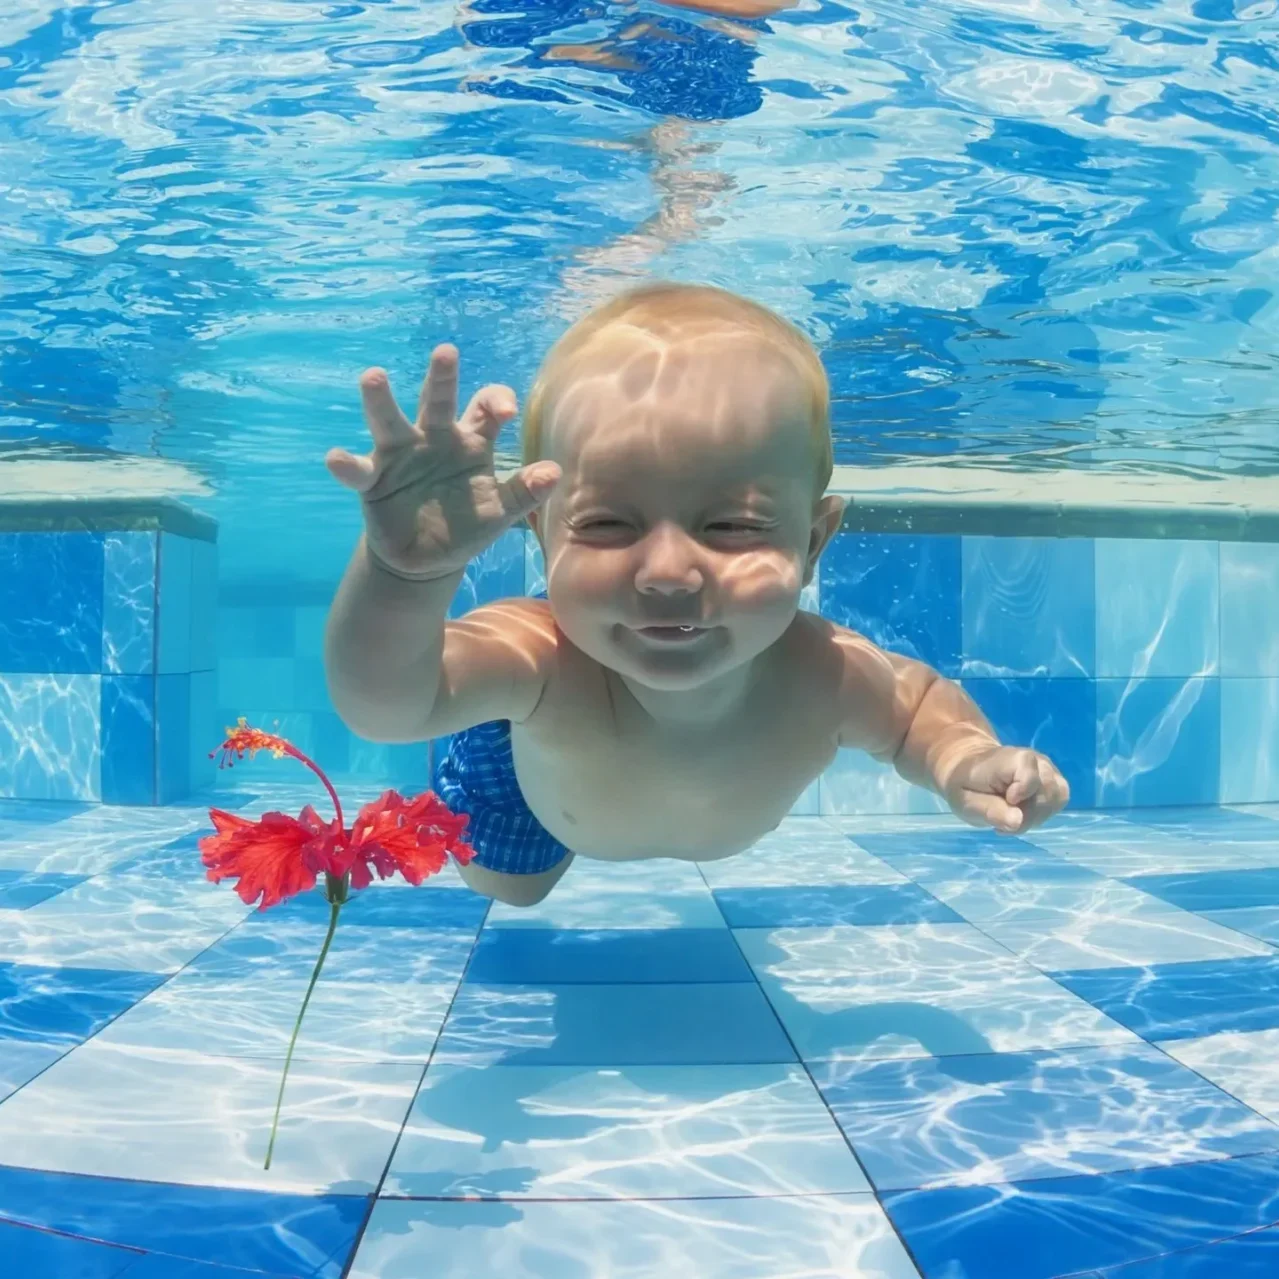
(1146, 666)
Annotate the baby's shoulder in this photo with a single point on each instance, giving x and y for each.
(840, 664)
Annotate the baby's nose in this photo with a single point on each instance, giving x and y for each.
(671, 563)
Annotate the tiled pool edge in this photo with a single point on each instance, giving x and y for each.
(984, 502)
(1071, 637)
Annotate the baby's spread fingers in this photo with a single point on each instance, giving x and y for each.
(491, 407)
(437, 404)
(355, 472)
(387, 425)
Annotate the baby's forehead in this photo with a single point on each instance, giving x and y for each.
(711, 376)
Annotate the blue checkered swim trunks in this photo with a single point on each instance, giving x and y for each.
(477, 777)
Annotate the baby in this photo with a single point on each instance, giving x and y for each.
(669, 698)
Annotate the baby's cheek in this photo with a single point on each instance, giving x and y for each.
(765, 579)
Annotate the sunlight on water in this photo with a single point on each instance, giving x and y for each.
(1042, 234)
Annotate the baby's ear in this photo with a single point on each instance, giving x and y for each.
(828, 516)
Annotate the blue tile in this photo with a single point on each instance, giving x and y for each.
(51, 603)
(310, 685)
(1156, 608)
(272, 632)
(179, 859)
(1213, 890)
(1250, 609)
(1249, 741)
(153, 1265)
(1059, 1226)
(128, 739)
(960, 843)
(204, 604)
(250, 682)
(703, 1023)
(128, 604)
(1206, 823)
(36, 1253)
(552, 957)
(204, 729)
(39, 812)
(873, 583)
(21, 889)
(263, 949)
(1184, 1001)
(1028, 607)
(382, 907)
(21, 1060)
(173, 737)
(1057, 717)
(283, 1234)
(1260, 921)
(1251, 1256)
(65, 1005)
(1011, 1117)
(831, 904)
(1158, 741)
(51, 747)
(173, 592)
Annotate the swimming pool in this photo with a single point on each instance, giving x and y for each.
(1035, 245)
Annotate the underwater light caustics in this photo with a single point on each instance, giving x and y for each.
(277, 856)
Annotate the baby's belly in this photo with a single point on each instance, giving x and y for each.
(715, 826)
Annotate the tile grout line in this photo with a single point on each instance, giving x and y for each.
(358, 1237)
(821, 1096)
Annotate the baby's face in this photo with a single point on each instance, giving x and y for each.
(685, 524)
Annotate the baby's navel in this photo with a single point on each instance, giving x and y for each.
(568, 817)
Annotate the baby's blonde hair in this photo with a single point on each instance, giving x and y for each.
(669, 313)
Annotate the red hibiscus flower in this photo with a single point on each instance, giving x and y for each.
(273, 858)
(279, 856)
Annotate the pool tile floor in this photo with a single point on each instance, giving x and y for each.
(876, 1048)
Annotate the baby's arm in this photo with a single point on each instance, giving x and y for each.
(902, 711)
(398, 671)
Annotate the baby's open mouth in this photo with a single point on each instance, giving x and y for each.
(672, 633)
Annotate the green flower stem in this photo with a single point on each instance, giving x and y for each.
(334, 908)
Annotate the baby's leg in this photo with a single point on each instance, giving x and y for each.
(514, 890)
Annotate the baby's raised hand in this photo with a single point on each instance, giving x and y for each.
(431, 500)
(1006, 787)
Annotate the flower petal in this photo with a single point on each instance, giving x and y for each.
(265, 856)
(414, 837)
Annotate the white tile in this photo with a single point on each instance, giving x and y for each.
(660, 893)
(1126, 935)
(97, 839)
(114, 1111)
(822, 1237)
(570, 1132)
(982, 899)
(1243, 1063)
(127, 923)
(847, 993)
(345, 1021)
(1123, 850)
(802, 851)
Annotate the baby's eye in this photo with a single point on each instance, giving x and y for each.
(735, 526)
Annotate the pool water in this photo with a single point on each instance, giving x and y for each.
(882, 1047)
